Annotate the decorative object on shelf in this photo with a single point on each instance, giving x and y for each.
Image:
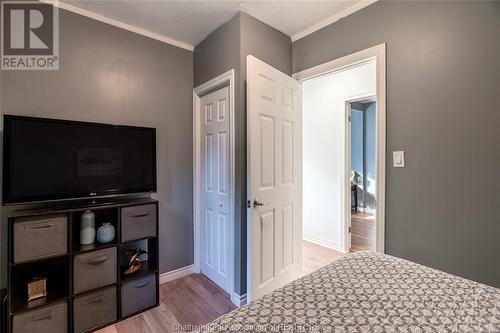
(80, 280)
(87, 228)
(134, 263)
(106, 233)
(37, 288)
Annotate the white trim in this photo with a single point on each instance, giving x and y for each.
(239, 300)
(177, 274)
(339, 64)
(346, 198)
(225, 79)
(119, 24)
(378, 53)
(323, 242)
(332, 19)
(381, 146)
(87, 13)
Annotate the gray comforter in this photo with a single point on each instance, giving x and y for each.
(369, 292)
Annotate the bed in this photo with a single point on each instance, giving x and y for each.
(370, 292)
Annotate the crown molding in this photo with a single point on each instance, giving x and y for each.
(119, 24)
(332, 19)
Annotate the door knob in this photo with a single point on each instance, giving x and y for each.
(257, 203)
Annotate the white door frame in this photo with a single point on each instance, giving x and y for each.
(378, 53)
(346, 239)
(225, 79)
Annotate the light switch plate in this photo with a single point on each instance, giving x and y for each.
(398, 159)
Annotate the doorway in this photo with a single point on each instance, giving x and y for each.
(277, 167)
(214, 192)
(362, 173)
(327, 156)
(215, 200)
(375, 93)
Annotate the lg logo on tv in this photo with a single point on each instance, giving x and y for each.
(30, 36)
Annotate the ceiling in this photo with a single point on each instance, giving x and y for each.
(190, 21)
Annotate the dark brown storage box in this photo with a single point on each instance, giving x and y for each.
(94, 269)
(52, 318)
(40, 237)
(138, 222)
(138, 294)
(95, 309)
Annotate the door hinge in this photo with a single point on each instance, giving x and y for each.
(249, 203)
(349, 229)
(349, 118)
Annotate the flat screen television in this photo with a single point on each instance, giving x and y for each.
(49, 159)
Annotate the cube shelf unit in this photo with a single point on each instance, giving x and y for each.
(87, 288)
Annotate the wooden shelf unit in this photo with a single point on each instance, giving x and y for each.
(59, 268)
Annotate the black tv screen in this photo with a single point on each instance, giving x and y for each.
(48, 159)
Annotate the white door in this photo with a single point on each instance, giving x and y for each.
(274, 111)
(215, 198)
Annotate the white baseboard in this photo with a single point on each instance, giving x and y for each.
(177, 273)
(239, 300)
(323, 242)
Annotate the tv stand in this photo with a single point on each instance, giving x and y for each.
(87, 287)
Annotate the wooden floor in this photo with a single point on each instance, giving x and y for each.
(196, 300)
(316, 256)
(193, 300)
(362, 231)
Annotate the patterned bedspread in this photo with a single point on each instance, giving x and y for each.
(369, 292)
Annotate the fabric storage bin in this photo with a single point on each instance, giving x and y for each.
(138, 294)
(95, 309)
(40, 237)
(138, 222)
(52, 318)
(94, 269)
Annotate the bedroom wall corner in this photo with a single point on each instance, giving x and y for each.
(111, 75)
(226, 48)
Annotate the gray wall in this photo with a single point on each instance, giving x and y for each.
(266, 43)
(227, 48)
(443, 75)
(113, 76)
(218, 53)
